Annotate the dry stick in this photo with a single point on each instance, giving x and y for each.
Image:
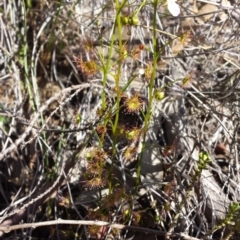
(17, 215)
(40, 130)
(24, 121)
(96, 223)
(19, 141)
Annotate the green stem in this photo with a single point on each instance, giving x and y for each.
(118, 26)
(150, 89)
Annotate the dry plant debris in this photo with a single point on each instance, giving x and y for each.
(119, 119)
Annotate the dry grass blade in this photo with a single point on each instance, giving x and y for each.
(149, 92)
